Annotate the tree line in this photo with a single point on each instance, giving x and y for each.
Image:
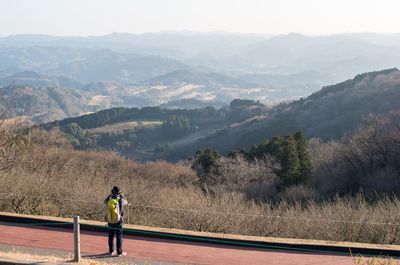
(290, 154)
(116, 115)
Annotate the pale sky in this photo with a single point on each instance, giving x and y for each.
(99, 17)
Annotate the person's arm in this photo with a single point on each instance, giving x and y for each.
(106, 199)
(123, 200)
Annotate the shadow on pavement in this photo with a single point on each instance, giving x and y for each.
(98, 256)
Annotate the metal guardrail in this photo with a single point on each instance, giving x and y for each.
(130, 206)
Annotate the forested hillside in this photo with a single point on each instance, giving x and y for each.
(327, 114)
(43, 103)
(284, 187)
(149, 132)
(175, 134)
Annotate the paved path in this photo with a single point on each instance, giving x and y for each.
(170, 251)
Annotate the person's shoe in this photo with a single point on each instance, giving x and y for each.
(112, 253)
(121, 254)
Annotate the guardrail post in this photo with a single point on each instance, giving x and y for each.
(77, 240)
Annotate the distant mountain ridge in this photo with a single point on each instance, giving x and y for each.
(196, 77)
(328, 114)
(42, 103)
(338, 56)
(87, 65)
(31, 78)
(82, 97)
(150, 69)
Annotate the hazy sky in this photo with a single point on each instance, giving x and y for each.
(97, 17)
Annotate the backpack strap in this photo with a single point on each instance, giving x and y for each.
(121, 209)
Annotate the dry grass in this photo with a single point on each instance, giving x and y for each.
(375, 261)
(131, 125)
(34, 258)
(58, 181)
(99, 100)
(15, 121)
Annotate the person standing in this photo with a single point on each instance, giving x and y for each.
(115, 203)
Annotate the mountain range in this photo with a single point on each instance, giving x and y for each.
(329, 113)
(146, 69)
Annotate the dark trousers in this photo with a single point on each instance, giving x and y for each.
(117, 230)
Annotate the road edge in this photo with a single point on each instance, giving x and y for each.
(282, 244)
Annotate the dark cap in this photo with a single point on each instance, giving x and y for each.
(115, 190)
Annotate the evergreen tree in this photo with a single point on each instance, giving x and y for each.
(290, 163)
(304, 156)
(206, 158)
(202, 164)
(275, 147)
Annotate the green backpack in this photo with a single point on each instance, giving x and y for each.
(113, 214)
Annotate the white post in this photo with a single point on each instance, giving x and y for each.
(77, 240)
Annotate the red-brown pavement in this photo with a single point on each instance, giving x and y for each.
(151, 249)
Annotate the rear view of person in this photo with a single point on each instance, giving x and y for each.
(115, 218)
